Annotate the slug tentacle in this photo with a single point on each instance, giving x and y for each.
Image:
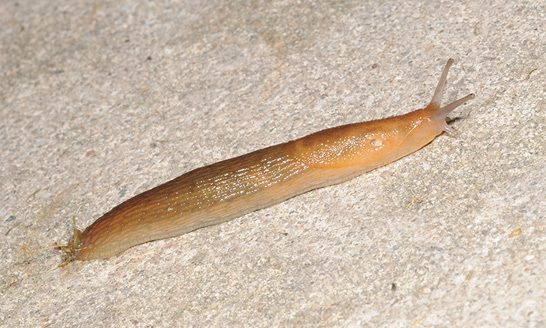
(434, 108)
(442, 112)
(438, 93)
(228, 189)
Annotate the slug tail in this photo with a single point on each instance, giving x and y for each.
(70, 250)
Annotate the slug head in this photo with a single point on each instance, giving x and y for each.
(376, 143)
(434, 111)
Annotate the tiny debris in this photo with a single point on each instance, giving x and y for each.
(515, 233)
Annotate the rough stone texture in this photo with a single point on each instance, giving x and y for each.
(101, 100)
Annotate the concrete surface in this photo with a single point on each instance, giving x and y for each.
(101, 100)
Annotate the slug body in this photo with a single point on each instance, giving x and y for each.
(225, 190)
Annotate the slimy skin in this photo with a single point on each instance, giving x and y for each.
(228, 189)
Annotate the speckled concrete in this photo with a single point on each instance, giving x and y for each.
(101, 100)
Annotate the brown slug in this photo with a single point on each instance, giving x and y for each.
(228, 189)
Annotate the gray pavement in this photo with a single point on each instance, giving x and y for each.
(101, 100)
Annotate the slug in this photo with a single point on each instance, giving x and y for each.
(228, 189)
